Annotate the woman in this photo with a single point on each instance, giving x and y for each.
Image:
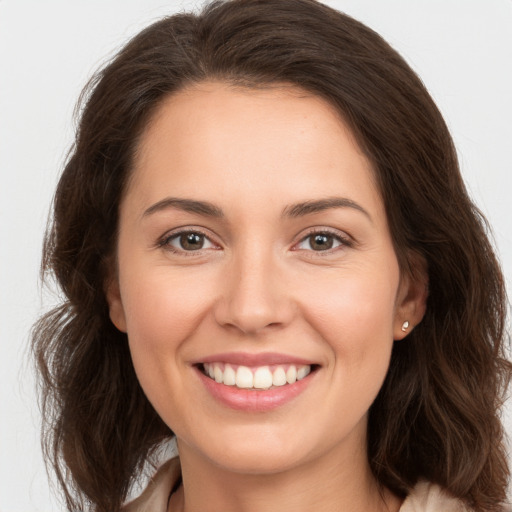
(268, 252)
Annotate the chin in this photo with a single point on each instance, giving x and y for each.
(251, 451)
(256, 462)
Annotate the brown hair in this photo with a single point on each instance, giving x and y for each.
(437, 415)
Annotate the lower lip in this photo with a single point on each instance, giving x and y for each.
(250, 400)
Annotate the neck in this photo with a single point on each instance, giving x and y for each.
(327, 483)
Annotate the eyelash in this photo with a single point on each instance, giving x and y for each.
(164, 242)
(344, 241)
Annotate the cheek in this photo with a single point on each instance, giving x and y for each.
(353, 309)
(163, 309)
(354, 315)
(355, 323)
(162, 313)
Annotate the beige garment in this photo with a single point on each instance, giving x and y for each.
(425, 497)
(156, 495)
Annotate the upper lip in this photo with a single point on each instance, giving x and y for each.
(248, 359)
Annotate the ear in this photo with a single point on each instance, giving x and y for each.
(115, 304)
(412, 297)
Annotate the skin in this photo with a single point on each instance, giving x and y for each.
(259, 285)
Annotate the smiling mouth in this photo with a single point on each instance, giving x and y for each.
(257, 378)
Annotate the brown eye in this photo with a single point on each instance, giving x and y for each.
(191, 241)
(187, 241)
(322, 241)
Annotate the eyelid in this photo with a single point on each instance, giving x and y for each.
(163, 241)
(345, 239)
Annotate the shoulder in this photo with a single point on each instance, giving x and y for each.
(156, 495)
(428, 497)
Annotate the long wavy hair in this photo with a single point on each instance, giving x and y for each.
(437, 414)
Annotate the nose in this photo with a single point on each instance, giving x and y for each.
(254, 296)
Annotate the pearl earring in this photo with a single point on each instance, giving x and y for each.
(405, 326)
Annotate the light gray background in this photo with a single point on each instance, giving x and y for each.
(462, 49)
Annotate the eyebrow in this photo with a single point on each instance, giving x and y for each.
(320, 205)
(207, 209)
(188, 205)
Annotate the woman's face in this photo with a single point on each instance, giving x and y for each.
(253, 245)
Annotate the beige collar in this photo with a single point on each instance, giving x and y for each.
(156, 495)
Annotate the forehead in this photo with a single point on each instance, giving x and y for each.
(223, 107)
(213, 136)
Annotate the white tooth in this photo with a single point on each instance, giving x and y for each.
(262, 378)
(244, 377)
(229, 376)
(291, 374)
(217, 373)
(209, 370)
(279, 377)
(303, 371)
